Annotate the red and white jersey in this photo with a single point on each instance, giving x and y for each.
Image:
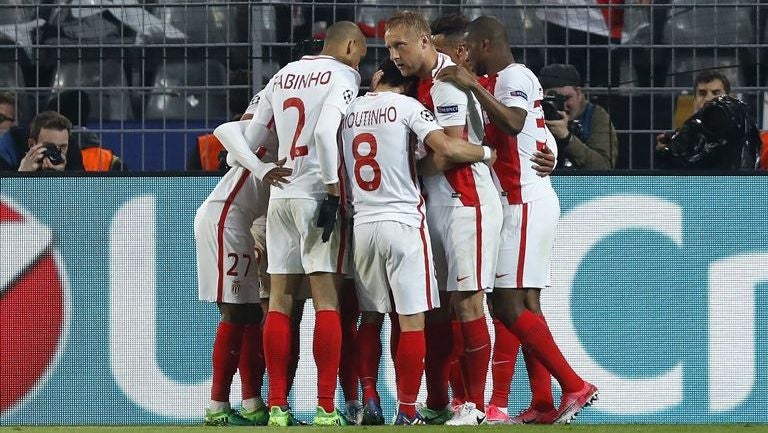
(293, 100)
(468, 184)
(240, 195)
(270, 144)
(379, 157)
(516, 181)
(251, 109)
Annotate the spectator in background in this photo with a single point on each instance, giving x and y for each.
(720, 135)
(584, 22)
(707, 86)
(596, 146)
(75, 105)
(7, 111)
(48, 143)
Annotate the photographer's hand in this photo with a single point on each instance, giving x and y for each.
(559, 128)
(32, 161)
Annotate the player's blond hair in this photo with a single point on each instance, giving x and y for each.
(411, 20)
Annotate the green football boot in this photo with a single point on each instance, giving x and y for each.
(225, 417)
(323, 418)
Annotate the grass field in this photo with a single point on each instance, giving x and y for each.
(623, 428)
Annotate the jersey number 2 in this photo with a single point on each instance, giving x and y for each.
(366, 160)
(298, 104)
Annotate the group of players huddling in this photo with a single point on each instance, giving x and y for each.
(417, 198)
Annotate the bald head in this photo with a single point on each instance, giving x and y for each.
(490, 29)
(343, 31)
(345, 42)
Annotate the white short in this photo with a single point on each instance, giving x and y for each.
(527, 238)
(259, 232)
(294, 241)
(395, 259)
(465, 241)
(227, 267)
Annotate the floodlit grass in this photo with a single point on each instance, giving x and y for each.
(623, 428)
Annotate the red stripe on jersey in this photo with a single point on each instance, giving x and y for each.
(425, 252)
(271, 123)
(342, 207)
(220, 232)
(521, 252)
(342, 246)
(507, 166)
(260, 152)
(479, 247)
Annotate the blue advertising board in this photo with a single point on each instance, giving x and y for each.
(659, 296)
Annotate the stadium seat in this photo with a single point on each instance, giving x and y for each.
(102, 80)
(522, 24)
(201, 21)
(372, 14)
(170, 101)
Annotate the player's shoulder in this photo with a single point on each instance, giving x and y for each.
(517, 73)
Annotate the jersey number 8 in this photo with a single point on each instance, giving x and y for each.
(366, 161)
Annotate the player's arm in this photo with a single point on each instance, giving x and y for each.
(327, 147)
(509, 119)
(236, 136)
(455, 150)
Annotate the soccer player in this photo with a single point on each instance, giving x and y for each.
(228, 274)
(511, 96)
(306, 100)
(464, 214)
(391, 241)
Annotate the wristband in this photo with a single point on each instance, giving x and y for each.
(486, 153)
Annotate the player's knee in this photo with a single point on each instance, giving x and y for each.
(373, 317)
(411, 322)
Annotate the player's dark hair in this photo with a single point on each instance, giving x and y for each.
(709, 76)
(391, 76)
(48, 120)
(452, 25)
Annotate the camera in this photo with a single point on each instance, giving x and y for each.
(53, 153)
(554, 102)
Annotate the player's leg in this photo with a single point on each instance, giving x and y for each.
(532, 260)
(474, 233)
(251, 361)
(455, 379)
(230, 284)
(538, 375)
(438, 331)
(296, 316)
(286, 274)
(368, 354)
(348, 374)
(505, 349)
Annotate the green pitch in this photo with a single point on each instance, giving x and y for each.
(624, 428)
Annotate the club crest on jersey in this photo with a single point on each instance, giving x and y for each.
(255, 100)
(447, 109)
(519, 93)
(427, 115)
(348, 95)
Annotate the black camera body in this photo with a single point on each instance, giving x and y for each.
(53, 153)
(554, 102)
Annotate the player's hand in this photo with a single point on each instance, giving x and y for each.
(327, 215)
(559, 128)
(543, 162)
(277, 175)
(33, 160)
(458, 76)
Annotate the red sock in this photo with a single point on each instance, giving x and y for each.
(277, 352)
(477, 353)
(455, 379)
(439, 340)
(226, 355)
(505, 350)
(409, 364)
(394, 337)
(348, 374)
(540, 379)
(368, 359)
(293, 361)
(534, 335)
(251, 360)
(326, 347)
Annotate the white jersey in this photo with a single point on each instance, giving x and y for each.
(293, 99)
(379, 157)
(516, 181)
(467, 184)
(251, 109)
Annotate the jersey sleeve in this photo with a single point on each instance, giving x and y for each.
(450, 104)
(263, 113)
(419, 119)
(515, 89)
(343, 91)
(254, 102)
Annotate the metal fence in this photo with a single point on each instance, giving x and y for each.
(158, 74)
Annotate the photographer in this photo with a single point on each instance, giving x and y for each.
(48, 143)
(586, 138)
